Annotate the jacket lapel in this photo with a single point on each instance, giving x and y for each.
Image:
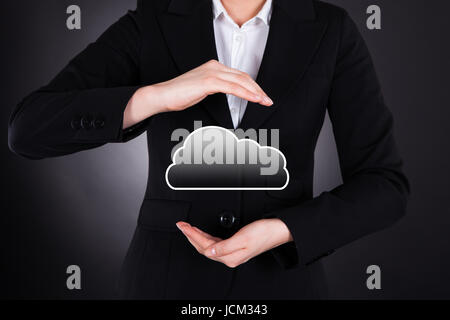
(294, 37)
(189, 31)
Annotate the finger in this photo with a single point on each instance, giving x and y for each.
(195, 245)
(219, 85)
(225, 247)
(198, 240)
(247, 82)
(240, 78)
(221, 67)
(182, 226)
(235, 259)
(213, 65)
(207, 235)
(246, 78)
(197, 232)
(196, 236)
(200, 249)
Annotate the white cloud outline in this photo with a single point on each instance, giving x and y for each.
(226, 188)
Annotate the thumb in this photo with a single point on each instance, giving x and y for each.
(225, 247)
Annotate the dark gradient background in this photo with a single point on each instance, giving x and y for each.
(82, 209)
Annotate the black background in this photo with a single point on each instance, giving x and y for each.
(82, 209)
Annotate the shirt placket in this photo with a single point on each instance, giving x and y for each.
(237, 51)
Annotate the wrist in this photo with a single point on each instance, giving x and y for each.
(151, 100)
(142, 105)
(280, 231)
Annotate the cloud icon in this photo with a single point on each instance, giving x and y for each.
(214, 158)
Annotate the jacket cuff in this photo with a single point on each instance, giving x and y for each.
(103, 123)
(305, 249)
(286, 255)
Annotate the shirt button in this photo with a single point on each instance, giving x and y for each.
(238, 38)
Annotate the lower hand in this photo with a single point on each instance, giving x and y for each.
(249, 242)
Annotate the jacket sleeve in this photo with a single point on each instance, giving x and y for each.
(83, 106)
(374, 193)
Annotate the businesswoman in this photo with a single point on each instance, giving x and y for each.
(236, 64)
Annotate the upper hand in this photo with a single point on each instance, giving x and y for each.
(210, 78)
(249, 242)
(189, 89)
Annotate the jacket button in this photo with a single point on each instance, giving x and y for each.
(86, 123)
(76, 124)
(98, 123)
(227, 219)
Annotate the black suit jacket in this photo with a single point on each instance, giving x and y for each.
(315, 59)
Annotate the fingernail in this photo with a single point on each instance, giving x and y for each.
(179, 226)
(268, 100)
(213, 252)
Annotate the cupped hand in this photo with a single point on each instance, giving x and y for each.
(212, 77)
(189, 89)
(249, 242)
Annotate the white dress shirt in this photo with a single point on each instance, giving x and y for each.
(241, 48)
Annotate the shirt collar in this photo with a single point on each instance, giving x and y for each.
(264, 14)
